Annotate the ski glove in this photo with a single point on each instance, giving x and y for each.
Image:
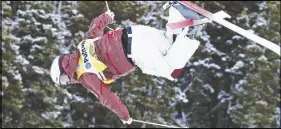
(111, 14)
(129, 121)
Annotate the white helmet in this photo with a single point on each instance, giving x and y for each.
(55, 70)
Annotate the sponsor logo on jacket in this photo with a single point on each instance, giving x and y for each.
(84, 53)
(111, 34)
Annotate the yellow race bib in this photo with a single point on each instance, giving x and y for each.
(89, 62)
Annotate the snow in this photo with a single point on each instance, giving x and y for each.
(251, 30)
(78, 16)
(5, 82)
(238, 65)
(150, 91)
(67, 93)
(30, 57)
(235, 107)
(27, 37)
(16, 39)
(205, 64)
(74, 11)
(260, 21)
(127, 23)
(17, 76)
(229, 42)
(49, 99)
(59, 107)
(160, 119)
(34, 47)
(37, 39)
(244, 17)
(254, 46)
(219, 74)
(263, 58)
(262, 102)
(223, 96)
(38, 69)
(263, 5)
(66, 125)
(180, 96)
(172, 102)
(15, 48)
(150, 17)
(42, 11)
(182, 122)
(54, 31)
(47, 26)
(174, 115)
(50, 115)
(238, 86)
(210, 48)
(242, 55)
(29, 90)
(237, 37)
(208, 87)
(164, 17)
(277, 116)
(93, 120)
(20, 59)
(251, 123)
(204, 36)
(142, 89)
(184, 118)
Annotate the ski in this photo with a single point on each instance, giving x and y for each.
(180, 24)
(189, 22)
(219, 19)
(186, 23)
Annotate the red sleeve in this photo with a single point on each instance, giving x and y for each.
(70, 62)
(105, 96)
(97, 26)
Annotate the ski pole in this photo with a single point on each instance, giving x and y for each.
(154, 123)
(107, 5)
(166, 5)
(109, 28)
(109, 10)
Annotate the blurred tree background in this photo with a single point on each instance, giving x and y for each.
(229, 82)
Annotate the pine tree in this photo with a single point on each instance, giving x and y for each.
(30, 42)
(219, 64)
(11, 93)
(259, 96)
(229, 82)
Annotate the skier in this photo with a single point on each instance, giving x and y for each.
(101, 59)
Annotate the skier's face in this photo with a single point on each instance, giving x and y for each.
(64, 79)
